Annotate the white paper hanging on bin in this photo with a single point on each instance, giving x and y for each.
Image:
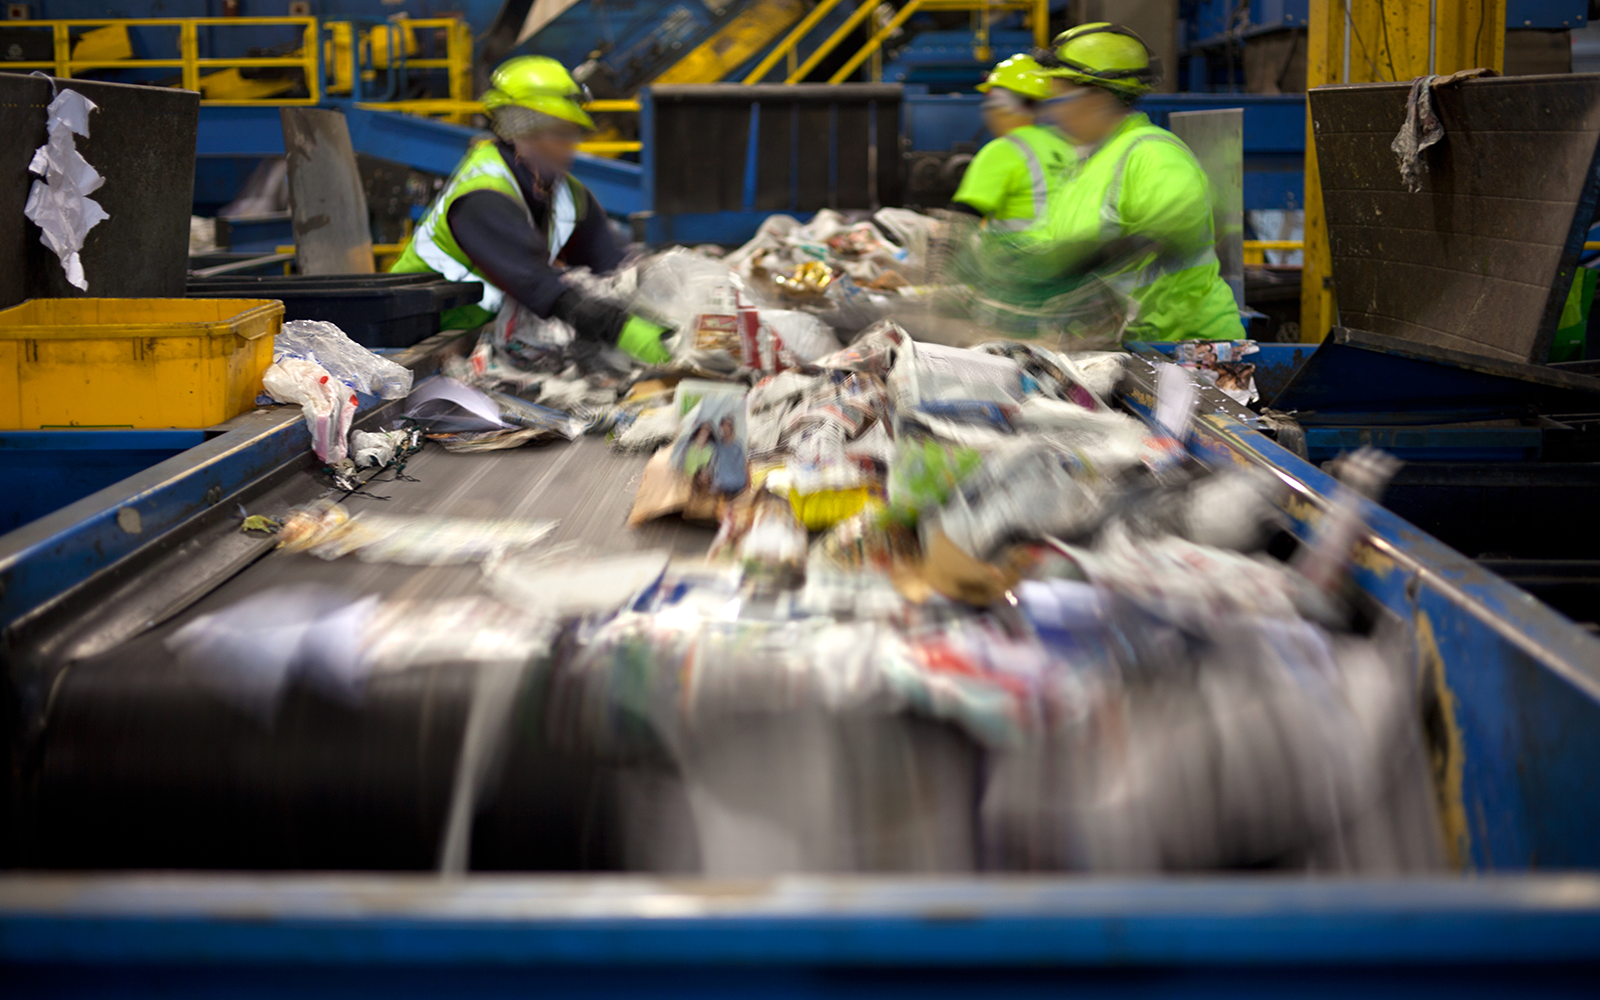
(60, 204)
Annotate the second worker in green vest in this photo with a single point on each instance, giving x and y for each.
(1137, 195)
(1010, 180)
(512, 208)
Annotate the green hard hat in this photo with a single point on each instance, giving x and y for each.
(1020, 74)
(539, 83)
(1103, 55)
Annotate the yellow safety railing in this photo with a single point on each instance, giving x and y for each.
(189, 61)
(360, 55)
(1039, 11)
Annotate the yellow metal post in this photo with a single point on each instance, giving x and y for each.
(63, 50)
(1366, 41)
(875, 41)
(787, 46)
(863, 8)
(189, 49)
(1041, 23)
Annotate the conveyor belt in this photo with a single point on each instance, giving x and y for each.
(134, 746)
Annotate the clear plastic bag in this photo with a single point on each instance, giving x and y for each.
(328, 404)
(346, 360)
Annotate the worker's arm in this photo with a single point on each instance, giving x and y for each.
(494, 232)
(986, 184)
(592, 243)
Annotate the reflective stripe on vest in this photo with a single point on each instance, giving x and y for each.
(1041, 188)
(1111, 227)
(563, 219)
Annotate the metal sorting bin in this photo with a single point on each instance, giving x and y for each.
(1512, 694)
(374, 310)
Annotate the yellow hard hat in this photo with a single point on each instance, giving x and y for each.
(1103, 55)
(539, 83)
(1020, 74)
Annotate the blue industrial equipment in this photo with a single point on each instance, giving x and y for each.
(719, 159)
(47, 470)
(944, 61)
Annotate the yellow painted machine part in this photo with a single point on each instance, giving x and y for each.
(231, 85)
(1388, 41)
(108, 44)
(143, 363)
(738, 41)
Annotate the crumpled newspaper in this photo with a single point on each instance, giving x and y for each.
(60, 204)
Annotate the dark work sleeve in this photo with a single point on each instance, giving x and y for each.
(592, 244)
(515, 256)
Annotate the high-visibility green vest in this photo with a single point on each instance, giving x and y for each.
(1011, 178)
(1143, 180)
(433, 248)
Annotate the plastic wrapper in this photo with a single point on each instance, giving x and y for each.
(349, 362)
(1100, 371)
(379, 448)
(1233, 508)
(679, 286)
(328, 404)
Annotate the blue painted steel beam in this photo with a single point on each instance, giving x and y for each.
(417, 922)
(419, 143)
(239, 131)
(44, 559)
(616, 183)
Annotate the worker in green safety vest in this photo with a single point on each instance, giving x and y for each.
(1136, 192)
(1010, 180)
(512, 210)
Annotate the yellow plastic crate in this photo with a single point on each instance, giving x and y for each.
(133, 362)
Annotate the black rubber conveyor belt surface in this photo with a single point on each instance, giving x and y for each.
(139, 766)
